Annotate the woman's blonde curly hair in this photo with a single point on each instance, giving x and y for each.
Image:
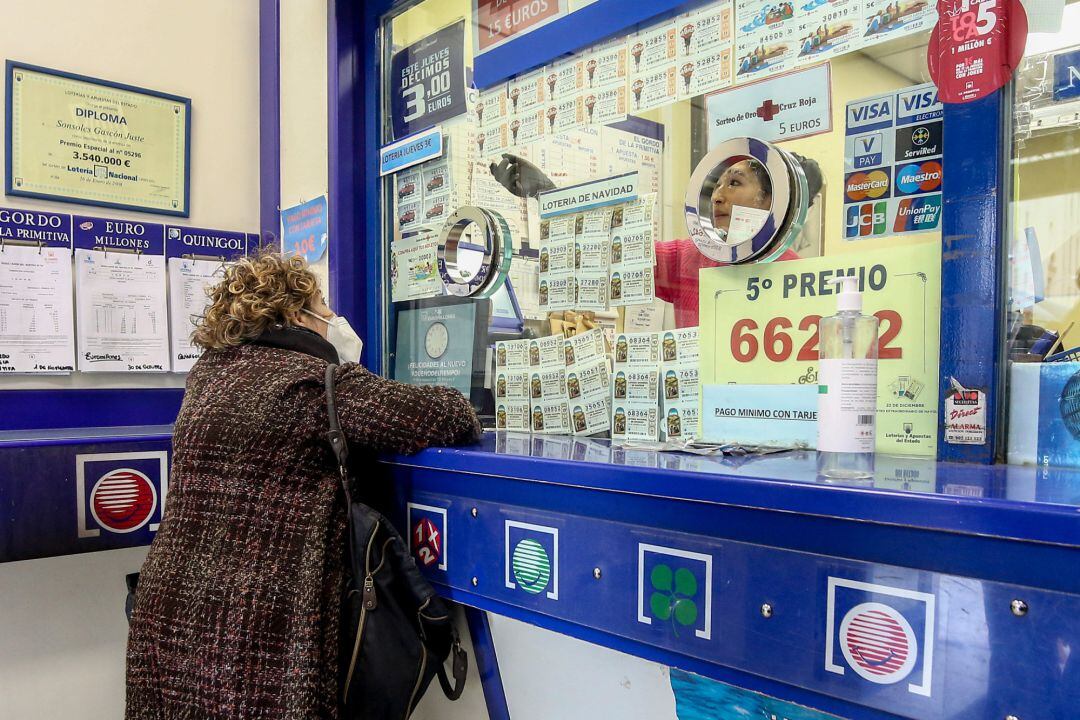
(256, 292)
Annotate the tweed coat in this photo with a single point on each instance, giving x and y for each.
(237, 611)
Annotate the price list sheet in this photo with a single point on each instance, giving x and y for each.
(189, 281)
(121, 312)
(36, 329)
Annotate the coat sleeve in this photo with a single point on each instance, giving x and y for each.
(390, 416)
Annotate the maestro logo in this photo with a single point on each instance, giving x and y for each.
(866, 185)
(120, 493)
(883, 634)
(867, 219)
(916, 178)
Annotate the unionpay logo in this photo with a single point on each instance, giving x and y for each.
(120, 492)
(867, 220)
(883, 634)
(427, 535)
(866, 185)
(917, 214)
(675, 590)
(532, 559)
(916, 178)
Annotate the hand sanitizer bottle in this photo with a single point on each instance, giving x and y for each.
(847, 396)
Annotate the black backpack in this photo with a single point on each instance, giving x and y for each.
(396, 633)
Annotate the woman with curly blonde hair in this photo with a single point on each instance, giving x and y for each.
(237, 609)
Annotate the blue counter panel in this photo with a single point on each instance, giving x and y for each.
(61, 497)
(902, 640)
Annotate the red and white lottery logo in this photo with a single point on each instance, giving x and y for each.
(975, 47)
(426, 542)
(123, 500)
(878, 643)
(882, 633)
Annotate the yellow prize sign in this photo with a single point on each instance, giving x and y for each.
(759, 324)
(82, 140)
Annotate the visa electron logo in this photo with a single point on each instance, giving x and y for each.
(861, 186)
(919, 178)
(866, 219)
(920, 101)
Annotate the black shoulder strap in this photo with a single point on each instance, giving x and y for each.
(336, 436)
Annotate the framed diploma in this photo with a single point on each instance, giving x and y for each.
(82, 140)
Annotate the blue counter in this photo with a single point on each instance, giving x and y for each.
(933, 591)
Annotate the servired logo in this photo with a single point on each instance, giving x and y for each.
(866, 185)
(867, 219)
(919, 178)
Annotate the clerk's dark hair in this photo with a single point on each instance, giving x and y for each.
(256, 292)
(810, 168)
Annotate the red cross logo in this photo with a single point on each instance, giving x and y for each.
(768, 110)
(426, 542)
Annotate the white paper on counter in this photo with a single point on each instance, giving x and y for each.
(37, 334)
(188, 283)
(121, 312)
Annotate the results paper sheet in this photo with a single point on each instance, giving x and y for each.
(121, 312)
(36, 330)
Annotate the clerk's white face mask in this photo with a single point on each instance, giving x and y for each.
(340, 334)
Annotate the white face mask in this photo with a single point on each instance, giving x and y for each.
(340, 334)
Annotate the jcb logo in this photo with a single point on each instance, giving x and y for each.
(866, 220)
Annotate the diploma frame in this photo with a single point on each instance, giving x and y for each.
(10, 188)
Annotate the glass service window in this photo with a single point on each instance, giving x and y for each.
(1044, 267)
(654, 102)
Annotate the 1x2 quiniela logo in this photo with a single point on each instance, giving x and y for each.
(427, 535)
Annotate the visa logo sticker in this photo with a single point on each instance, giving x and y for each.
(675, 590)
(427, 535)
(120, 492)
(870, 114)
(531, 554)
(866, 220)
(869, 150)
(883, 634)
(919, 104)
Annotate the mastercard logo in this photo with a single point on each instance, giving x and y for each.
(919, 178)
(864, 185)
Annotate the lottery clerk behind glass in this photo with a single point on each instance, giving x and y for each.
(237, 609)
(745, 183)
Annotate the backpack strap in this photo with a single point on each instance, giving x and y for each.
(336, 436)
(460, 670)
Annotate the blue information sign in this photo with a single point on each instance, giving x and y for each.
(1067, 75)
(305, 229)
(427, 81)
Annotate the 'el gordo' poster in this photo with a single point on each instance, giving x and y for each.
(428, 81)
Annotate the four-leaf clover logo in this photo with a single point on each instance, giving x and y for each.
(672, 597)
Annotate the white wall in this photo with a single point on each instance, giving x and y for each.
(62, 629)
(304, 136)
(206, 50)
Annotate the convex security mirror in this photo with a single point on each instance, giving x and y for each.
(746, 202)
(474, 252)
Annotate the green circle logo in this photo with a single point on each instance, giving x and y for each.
(532, 567)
